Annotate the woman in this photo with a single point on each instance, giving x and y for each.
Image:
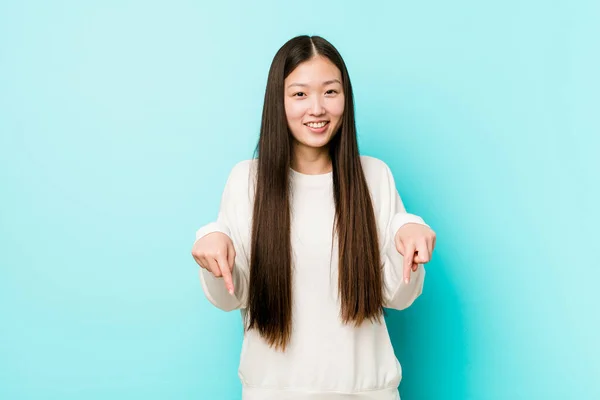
(309, 243)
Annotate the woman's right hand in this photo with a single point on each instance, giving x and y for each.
(215, 253)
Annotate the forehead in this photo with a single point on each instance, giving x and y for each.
(314, 71)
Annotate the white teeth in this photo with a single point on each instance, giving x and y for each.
(316, 125)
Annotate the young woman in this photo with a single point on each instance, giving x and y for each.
(312, 241)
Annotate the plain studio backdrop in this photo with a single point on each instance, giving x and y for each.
(120, 122)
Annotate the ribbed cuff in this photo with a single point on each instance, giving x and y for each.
(211, 228)
(401, 219)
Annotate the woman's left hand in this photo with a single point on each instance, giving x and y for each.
(416, 243)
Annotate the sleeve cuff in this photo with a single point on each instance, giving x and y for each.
(211, 228)
(401, 219)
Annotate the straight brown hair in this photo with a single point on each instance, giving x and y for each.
(360, 277)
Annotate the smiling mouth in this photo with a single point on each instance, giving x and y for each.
(317, 125)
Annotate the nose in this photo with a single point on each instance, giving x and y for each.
(317, 107)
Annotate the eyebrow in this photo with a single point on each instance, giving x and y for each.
(329, 82)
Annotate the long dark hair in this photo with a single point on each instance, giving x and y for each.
(360, 278)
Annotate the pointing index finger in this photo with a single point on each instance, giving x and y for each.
(226, 272)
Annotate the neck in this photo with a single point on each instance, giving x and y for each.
(311, 161)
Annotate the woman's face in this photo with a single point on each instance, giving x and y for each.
(314, 102)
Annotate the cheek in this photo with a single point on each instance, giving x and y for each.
(294, 111)
(336, 108)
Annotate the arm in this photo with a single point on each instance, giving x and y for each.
(397, 294)
(228, 222)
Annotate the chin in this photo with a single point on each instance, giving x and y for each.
(315, 143)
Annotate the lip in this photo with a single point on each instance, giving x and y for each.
(318, 130)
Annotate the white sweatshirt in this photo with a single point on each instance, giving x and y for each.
(325, 359)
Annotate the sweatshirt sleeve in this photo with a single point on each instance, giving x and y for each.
(230, 221)
(397, 294)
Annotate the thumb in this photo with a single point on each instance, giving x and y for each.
(419, 259)
(408, 263)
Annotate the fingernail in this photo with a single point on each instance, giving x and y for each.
(406, 280)
(230, 290)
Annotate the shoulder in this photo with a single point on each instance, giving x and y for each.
(376, 171)
(242, 170)
(241, 179)
(380, 181)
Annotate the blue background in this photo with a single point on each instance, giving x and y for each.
(120, 121)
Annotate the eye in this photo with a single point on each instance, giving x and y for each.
(299, 94)
(331, 91)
